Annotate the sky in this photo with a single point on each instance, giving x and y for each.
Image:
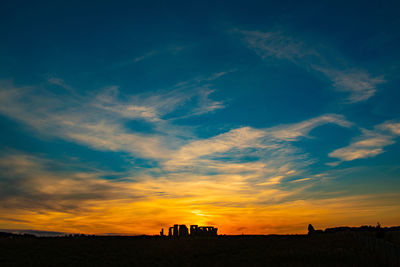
(257, 117)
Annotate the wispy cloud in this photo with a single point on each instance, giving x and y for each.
(149, 54)
(316, 57)
(360, 84)
(131, 60)
(26, 183)
(98, 120)
(293, 131)
(392, 127)
(128, 62)
(258, 156)
(369, 144)
(207, 105)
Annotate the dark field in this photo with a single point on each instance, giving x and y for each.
(337, 249)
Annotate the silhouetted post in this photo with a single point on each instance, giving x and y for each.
(176, 232)
(311, 229)
(162, 232)
(379, 231)
(183, 231)
(170, 232)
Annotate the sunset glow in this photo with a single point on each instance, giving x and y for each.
(256, 120)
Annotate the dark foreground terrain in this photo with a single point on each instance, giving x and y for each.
(336, 249)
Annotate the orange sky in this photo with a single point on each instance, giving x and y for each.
(228, 203)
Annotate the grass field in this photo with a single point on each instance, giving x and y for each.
(338, 249)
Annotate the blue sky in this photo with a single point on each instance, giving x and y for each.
(199, 112)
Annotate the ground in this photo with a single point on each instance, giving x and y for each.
(338, 249)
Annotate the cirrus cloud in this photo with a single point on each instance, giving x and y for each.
(315, 57)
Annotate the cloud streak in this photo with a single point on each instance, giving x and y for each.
(98, 120)
(343, 76)
(258, 158)
(27, 183)
(369, 144)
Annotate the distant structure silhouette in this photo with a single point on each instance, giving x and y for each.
(195, 230)
(312, 231)
(378, 229)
